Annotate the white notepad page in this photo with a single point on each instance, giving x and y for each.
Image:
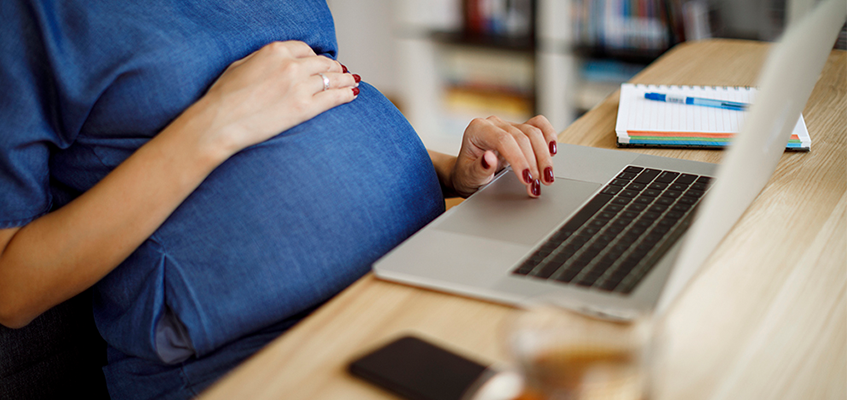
(638, 114)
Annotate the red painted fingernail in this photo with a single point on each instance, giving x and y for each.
(484, 163)
(553, 147)
(344, 68)
(356, 78)
(535, 188)
(356, 91)
(527, 175)
(549, 175)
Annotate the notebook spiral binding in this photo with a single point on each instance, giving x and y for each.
(683, 87)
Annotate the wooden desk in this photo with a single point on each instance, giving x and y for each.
(766, 319)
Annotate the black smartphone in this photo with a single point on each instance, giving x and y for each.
(418, 370)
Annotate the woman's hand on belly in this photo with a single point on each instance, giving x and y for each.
(490, 144)
(271, 90)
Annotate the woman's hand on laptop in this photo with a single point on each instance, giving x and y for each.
(491, 144)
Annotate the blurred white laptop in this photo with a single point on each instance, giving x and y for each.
(608, 237)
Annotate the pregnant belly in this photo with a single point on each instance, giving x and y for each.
(283, 225)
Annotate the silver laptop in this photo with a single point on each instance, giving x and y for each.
(618, 234)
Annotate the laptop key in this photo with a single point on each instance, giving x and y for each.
(568, 274)
(561, 235)
(651, 192)
(610, 189)
(580, 240)
(667, 176)
(632, 235)
(561, 258)
(621, 200)
(598, 223)
(630, 193)
(683, 207)
(694, 193)
(608, 285)
(647, 175)
(665, 201)
(629, 214)
(652, 214)
(606, 215)
(545, 271)
(602, 265)
(686, 179)
(687, 200)
(675, 214)
(622, 222)
(625, 267)
(644, 223)
(588, 232)
(585, 258)
(667, 221)
(659, 207)
(587, 281)
(525, 267)
(644, 200)
(598, 246)
(611, 232)
(613, 208)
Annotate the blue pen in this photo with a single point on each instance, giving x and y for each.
(697, 101)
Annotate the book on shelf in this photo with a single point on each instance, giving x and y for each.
(509, 18)
(633, 29)
(648, 123)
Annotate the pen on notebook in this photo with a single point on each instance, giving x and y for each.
(697, 101)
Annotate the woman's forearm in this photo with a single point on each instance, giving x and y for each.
(443, 165)
(62, 253)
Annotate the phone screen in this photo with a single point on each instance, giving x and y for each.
(419, 370)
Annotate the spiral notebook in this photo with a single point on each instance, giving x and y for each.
(648, 123)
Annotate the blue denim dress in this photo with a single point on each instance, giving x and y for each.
(271, 234)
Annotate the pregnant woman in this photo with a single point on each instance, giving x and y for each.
(211, 171)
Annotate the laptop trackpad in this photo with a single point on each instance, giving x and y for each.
(503, 211)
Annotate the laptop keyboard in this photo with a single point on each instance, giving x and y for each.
(616, 238)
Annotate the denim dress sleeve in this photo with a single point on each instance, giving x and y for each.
(30, 125)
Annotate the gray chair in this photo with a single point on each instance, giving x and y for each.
(59, 354)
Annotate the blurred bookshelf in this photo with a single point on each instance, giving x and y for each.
(560, 58)
(613, 40)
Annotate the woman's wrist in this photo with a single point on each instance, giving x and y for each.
(444, 165)
(198, 139)
(203, 124)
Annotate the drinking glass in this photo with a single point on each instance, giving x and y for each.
(564, 355)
